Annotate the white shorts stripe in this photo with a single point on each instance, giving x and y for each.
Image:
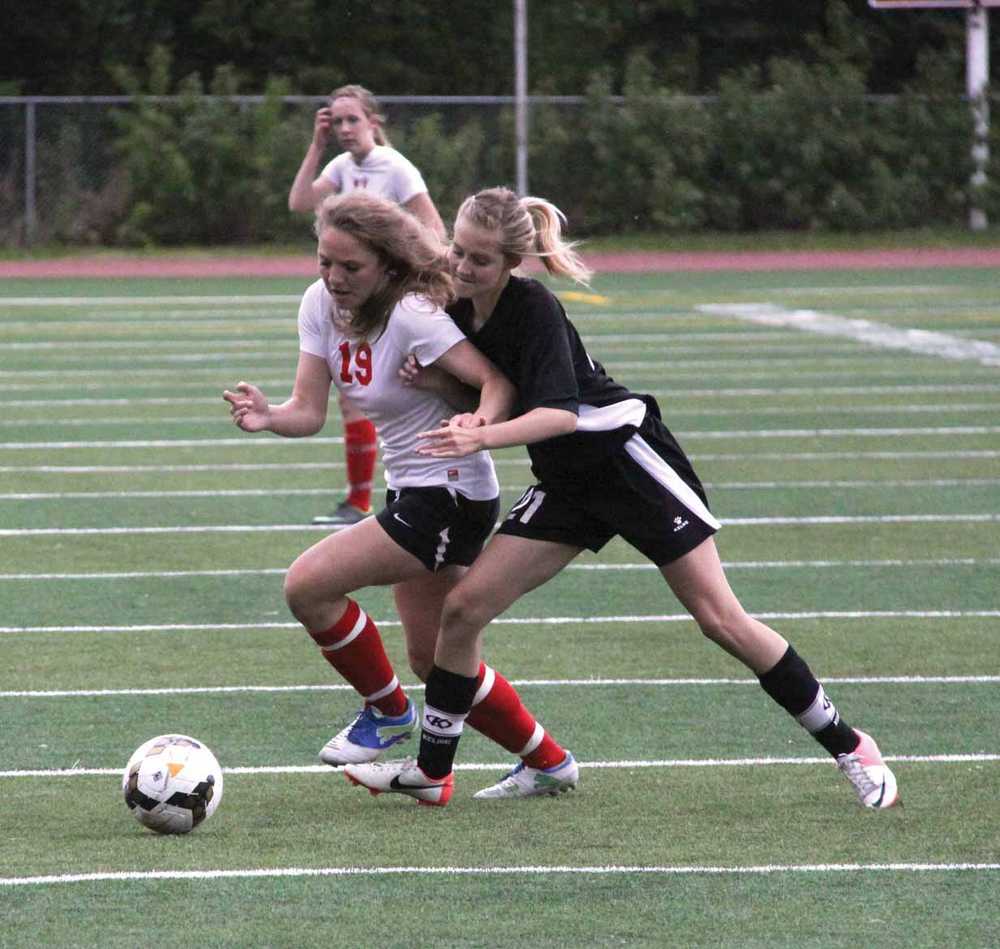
(442, 547)
(660, 471)
(352, 635)
(610, 417)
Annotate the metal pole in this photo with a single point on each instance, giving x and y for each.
(521, 93)
(30, 222)
(977, 75)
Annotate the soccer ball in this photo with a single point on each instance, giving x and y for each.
(172, 783)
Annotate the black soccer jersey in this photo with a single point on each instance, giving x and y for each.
(531, 340)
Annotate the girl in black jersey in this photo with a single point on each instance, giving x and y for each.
(605, 464)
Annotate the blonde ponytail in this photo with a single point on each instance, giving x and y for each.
(527, 227)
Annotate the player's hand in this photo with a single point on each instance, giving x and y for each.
(411, 372)
(453, 439)
(248, 407)
(467, 420)
(425, 378)
(322, 127)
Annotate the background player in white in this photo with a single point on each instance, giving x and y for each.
(606, 465)
(382, 285)
(352, 116)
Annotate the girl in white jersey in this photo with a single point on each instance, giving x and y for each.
(380, 295)
(352, 116)
(606, 466)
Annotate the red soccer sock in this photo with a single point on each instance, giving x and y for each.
(498, 712)
(361, 451)
(354, 648)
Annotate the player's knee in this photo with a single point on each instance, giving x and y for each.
(464, 614)
(300, 593)
(720, 624)
(421, 662)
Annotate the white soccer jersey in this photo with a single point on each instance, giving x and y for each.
(383, 172)
(367, 372)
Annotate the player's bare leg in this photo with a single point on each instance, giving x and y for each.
(699, 582)
(490, 587)
(316, 589)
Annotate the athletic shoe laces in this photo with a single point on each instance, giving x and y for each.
(858, 774)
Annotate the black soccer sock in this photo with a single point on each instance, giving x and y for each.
(792, 685)
(447, 701)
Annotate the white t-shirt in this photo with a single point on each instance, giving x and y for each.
(367, 372)
(383, 172)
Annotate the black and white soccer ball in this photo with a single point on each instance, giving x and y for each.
(172, 783)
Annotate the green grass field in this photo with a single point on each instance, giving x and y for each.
(142, 543)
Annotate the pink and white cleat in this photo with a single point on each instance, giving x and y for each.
(402, 777)
(872, 779)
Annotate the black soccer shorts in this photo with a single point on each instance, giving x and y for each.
(437, 526)
(647, 493)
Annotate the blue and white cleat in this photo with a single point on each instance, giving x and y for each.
(368, 736)
(872, 779)
(524, 781)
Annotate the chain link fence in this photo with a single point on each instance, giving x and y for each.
(122, 171)
(66, 174)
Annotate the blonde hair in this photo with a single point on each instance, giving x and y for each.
(527, 227)
(370, 107)
(412, 254)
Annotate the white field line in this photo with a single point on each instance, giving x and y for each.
(957, 408)
(125, 876)
(882, 335)
(280, 528)
(151, 420)
(240, 347)
(202, 300)
(213, 383)
(594, 765)
(268, 360)
(727, 564)
(762, 344)
(666, 337)
(276, 441)
(525, 621)
(499, 462)
(273, 360)
(101, 321)
(24, 378)
(519, 683)
(142, 469)
(741, 393)
(268, 441)
(509, 489)
(942, 289)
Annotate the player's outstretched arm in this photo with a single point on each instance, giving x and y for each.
(248, 407)
(454, 440)
(304, 413)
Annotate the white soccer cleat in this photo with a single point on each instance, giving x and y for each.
(525, 781)
(401, 777)
(872, 779)
(368, 736)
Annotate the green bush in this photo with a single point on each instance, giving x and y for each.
(790, 144)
